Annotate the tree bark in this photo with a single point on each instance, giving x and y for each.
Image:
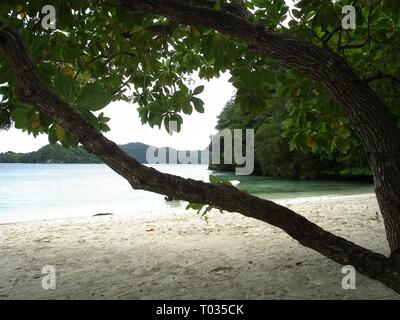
(367, 111)
(34, 92)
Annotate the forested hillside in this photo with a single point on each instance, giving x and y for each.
(276, 156)
(56, 153)
(50, 154)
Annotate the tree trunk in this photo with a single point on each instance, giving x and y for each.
(387, 173)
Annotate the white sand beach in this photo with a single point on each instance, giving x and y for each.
(181, 257)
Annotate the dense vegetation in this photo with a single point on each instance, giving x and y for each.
(276, 156)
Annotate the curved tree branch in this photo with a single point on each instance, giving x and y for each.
(35, 92)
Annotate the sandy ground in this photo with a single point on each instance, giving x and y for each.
(181, 257)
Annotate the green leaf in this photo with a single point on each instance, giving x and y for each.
(270, 77)
(218, 5)
(218, 180)
(60, 132)
(20, 115)
(64, 86)
(93, 97)
(342, 144)
(194, 31)
(195, 206)
(213, 179)
(198, 104)
(187, 108)
(198, 90)
(52, 135)
(343, 133)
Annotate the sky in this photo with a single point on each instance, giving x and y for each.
(126, 126)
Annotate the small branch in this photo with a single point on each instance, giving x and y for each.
(380, 75)
(163, 30)
(108, 59)
(126, 83)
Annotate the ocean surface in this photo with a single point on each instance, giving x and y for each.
(51, 191)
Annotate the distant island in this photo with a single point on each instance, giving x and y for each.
(56, 153)
(50, 154)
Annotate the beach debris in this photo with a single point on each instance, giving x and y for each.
(219, 269)
(150, 229)
(44, 239)
(103, 214)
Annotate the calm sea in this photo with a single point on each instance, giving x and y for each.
(47, 191)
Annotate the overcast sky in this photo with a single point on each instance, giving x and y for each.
(126, 126)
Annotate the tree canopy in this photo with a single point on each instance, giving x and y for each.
(100, 53)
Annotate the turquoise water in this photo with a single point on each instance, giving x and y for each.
(47, 191)
(275, 188)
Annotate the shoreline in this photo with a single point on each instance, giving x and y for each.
(182, 257)
(280, 201)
